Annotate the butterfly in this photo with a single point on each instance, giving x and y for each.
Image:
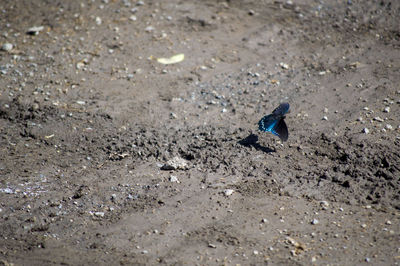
(275, 122)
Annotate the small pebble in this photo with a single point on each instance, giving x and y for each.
(7, 47)
(35, 30)
(389, 127)
(98, 20)
(284, 66)
(228, 192)
(378, 119)
(324, 117)
(387, 109)
(314, 221)
(324, 203)
(99, 214)
(365, 130)
(173, 179)
(149, 29)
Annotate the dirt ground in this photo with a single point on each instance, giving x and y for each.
(109, 157)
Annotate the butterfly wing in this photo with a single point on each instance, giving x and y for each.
(282, 109)
(280, 129)
(267, 123)
(275, 122)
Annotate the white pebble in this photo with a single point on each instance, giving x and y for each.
(7, 47)
(99, 214)
(284, 66)
(324, 117)
(387, 109)
(149, 29)
(228, 192)
(98, 21)
(365, 130)
(389, 127)
(314, 221)
(174, 179)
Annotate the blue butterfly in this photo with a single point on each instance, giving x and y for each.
(274, 122)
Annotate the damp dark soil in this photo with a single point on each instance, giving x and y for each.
(110, 157)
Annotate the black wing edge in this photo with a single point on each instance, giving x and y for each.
(281, 130)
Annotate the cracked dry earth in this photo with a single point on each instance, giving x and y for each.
(109, 157)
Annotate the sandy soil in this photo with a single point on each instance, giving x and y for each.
(90, 121)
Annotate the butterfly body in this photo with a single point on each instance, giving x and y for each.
(275, 122)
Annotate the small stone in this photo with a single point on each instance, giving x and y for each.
(80, 65)
(387, 109)
(35, 30)
(365, 130)
(173, 179)
(149, 29)
(264, 220)
(321, 73)
(99, 214)
(284, 66)
(132, 18)
(81, 102)
(228, 192)
(324, 117)
(378, 119)
(7, 47)
(255, 252)
(367, 259)
(212, 245)
(389, 127)
(363, 225)
(324, 203)
(98, 20)
(314, 221)
(326, 110)
(388, 222)
(175, 163)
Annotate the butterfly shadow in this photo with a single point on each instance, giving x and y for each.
(252, 141)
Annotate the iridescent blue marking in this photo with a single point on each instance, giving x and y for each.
(275, 122)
